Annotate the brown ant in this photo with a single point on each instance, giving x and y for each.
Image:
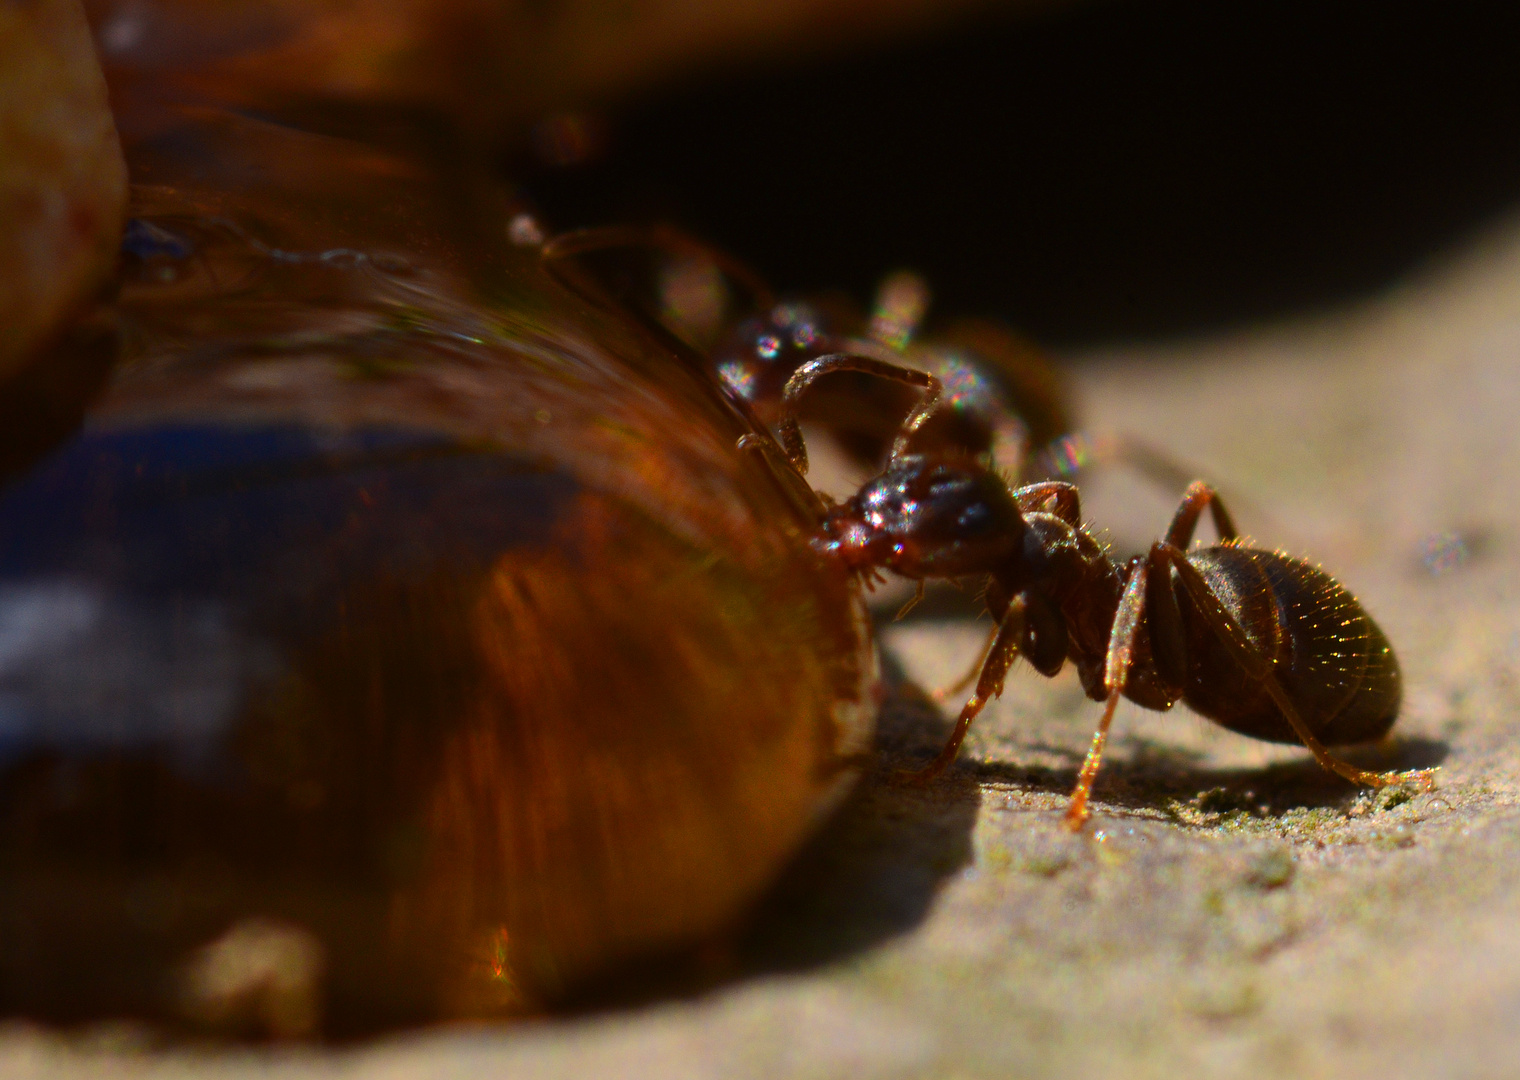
(1003, 401)
(1261, 643)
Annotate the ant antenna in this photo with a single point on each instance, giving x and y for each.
(790, 433)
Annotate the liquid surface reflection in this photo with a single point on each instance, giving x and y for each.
(399, 637)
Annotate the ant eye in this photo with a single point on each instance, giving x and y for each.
(768, 346)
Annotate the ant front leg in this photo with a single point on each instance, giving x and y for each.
(1000, 657)
(790, 433)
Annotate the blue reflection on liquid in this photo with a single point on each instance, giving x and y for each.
(151, 580)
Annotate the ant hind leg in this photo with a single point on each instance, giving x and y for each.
(1257, 666)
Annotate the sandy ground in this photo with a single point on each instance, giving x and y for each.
(1237, 912)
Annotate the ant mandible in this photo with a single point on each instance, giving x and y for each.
(1261, 643)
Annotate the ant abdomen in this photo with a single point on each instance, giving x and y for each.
(1328, 654)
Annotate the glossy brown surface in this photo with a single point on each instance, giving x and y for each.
(1332, 658)
(398, 638)
(63, 184)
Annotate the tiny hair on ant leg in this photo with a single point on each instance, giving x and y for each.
(1259, 642)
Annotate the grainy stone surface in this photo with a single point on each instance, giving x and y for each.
(1237, 912)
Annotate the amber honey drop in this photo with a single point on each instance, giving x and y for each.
(398, 638)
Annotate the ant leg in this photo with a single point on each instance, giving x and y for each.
(767, 450)
(1077, 451)
(1076, 810)
(971, 673)
(912, 603)
(790, 433)
(1200, 496)
(1035, 497)
(901, 300)
(1121, 648)
(1257, 666)
(668, 238)
(1005, 648)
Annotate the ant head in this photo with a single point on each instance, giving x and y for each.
(761, 353)
(927, 516)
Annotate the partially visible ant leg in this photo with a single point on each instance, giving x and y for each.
(1077, 452)
(1121, 648)
(1256, 666)
(766, 449)
(557, 252)
(971, 673)
(901, 300)
(1200, 496)
(1005, 649)
(1038, 497)
(913, 602)
(790, 433)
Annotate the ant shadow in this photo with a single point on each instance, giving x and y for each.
(869, 874)
(1155, 778)
(872, 872)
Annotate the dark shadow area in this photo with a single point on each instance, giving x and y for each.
(870, 873)
(44, 403)
(873, 871)
(1145, 775)
(1104, 169)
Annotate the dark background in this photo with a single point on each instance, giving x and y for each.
(1096, 171)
